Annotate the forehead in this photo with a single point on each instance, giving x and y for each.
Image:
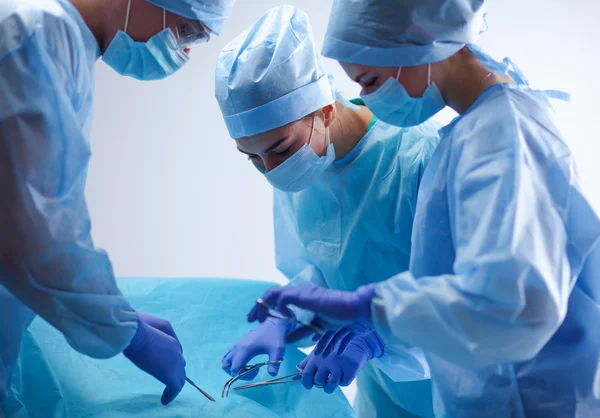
(355, 71)
(260, 142)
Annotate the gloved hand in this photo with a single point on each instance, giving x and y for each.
(336, 308)
(335, 342)
(341, 367)
(266, 338)
(156, 350)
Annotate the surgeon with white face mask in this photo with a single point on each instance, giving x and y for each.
(49, 265)
(304, 166)
(345, 189)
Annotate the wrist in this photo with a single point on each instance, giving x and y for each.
(375, 344)
(365, 295)
(282, 325)
(139, 340)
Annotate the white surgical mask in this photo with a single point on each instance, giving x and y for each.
(392, 104)
(303, 168)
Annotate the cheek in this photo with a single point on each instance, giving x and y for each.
(414, 81)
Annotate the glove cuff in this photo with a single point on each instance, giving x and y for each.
(139, 340)
(375, 344)
(280, 323)
(365, 295)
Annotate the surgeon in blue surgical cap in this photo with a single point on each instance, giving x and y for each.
(345, 190)
(502, 291)
(48, 263)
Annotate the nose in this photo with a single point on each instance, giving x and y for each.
(271, 163)
(367, 90)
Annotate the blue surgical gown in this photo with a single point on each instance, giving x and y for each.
(48, 263)
(503, 289)
(353, 227)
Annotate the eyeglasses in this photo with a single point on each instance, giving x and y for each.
(250, 368)
(189, 32)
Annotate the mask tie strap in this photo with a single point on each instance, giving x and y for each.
(127, 17)
(398, 75)
(313, 128)
(429, 75)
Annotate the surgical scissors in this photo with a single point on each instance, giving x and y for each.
(277, 315)
(249, 369)
(210, 398)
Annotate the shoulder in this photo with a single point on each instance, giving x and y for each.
(499, 124)
(36, 23)
(510, 128)
(504, 112)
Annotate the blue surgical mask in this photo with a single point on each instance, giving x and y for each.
(301, 170)
(392, 104)
(155, 59)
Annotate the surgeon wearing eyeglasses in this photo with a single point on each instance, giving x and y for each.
(49, 265)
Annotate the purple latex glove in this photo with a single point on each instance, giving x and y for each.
(341, 367)
(335, 342)
(156, 350)
(336, 308)
(267, 338)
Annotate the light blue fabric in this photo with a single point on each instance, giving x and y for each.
(502, 291)
(508, 67)
(208, 315)
(392, 33)
(303, 168)
(271, 74)
(392, 104)
(48, 260)
(353, 227)
(157, 58)
(212, 13)
(378, 396)
(11, 333)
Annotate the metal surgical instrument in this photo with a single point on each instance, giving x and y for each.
(277, 315)
(275, 381)
(249, 369)
(187, 379)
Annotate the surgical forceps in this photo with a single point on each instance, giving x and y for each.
(210, 398)
(249, 369)
(274, 381)
(277, 315)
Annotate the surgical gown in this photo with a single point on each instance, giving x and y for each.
(502, 292)
(353, 227)
(48, 263)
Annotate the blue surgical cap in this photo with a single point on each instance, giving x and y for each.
(212, 13)
(391, 33)
(271, 74)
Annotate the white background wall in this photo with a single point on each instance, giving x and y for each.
(170, 196)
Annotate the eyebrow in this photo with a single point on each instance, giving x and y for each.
(275, 145)
(243, 152)
(271, 148)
